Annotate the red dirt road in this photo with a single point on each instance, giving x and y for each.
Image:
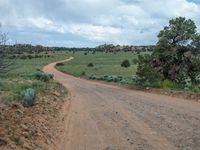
(102, 115)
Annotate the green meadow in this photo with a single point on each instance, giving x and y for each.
(103, 64)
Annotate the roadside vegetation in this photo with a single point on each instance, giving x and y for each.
(106, 66)
(172, 64)
(175, 61)
(24, 74)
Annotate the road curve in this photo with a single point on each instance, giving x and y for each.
(102, 115)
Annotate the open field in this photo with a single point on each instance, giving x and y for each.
(22, 67)
(19, 77)
(104, 64)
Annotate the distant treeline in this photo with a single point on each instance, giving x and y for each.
(28, 48)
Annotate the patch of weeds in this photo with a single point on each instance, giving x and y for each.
(39, 86)
(45, 77)
(108, 78)
(7, 99)
(167, 84)
(16, 139)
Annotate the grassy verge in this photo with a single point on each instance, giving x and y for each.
(107, 67)
(20, 77)
(104, 64)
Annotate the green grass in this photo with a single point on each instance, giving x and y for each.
(23, 67)
(104, 64)
(19, 78)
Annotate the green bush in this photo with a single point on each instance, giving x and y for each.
(125, 64)
(43, 76)
(167, 84)
(28, 97)
(90, 65)
(92, 76)
(60, 64)
(83, 73)
(146, 74)
(108, 78)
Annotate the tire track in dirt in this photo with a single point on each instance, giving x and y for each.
(101, 115)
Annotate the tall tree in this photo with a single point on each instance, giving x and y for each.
(174, 55)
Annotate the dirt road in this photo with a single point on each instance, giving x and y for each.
(104, 115)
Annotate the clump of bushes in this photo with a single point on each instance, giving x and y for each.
(45, 77)
(28, 97)
(125, 64)
(60, 64)
(90, 65)
(108, 78)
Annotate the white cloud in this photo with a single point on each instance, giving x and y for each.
(96, 21)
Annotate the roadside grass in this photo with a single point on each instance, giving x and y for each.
(20, 77)
(103, 64)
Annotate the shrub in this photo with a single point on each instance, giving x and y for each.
(28, 97)
(146, 74)
(60, 64)
(92, 76)
(167, 84)
(43, 76)
(83, 73)
(108, 78)
(23, 57)
(90, 65)
(125, 64)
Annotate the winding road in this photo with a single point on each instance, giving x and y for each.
(102, 115)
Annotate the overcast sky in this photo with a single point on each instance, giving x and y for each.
(87, 23)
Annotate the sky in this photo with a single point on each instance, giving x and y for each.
(88, 23)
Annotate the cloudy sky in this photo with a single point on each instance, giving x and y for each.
(87, 23)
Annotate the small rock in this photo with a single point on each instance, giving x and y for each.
(56, 94)
(18, 111)
(27, 146)
(48, 141)
(3, 141)
(24, 126)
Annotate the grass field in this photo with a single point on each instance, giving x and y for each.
(19, 78)
(22, 67)
(104, 64)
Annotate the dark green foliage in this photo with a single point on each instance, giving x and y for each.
(174, 57)
(83, 73)
(60, 64)
(28, 97)
(43, 76)
(92, 76)
(90, 65)
(125, 64)
(108, 78)
(146, 74)
(196, 43)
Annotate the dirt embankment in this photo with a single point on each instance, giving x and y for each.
(38, 127)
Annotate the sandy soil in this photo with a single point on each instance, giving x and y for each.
(102, 115)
